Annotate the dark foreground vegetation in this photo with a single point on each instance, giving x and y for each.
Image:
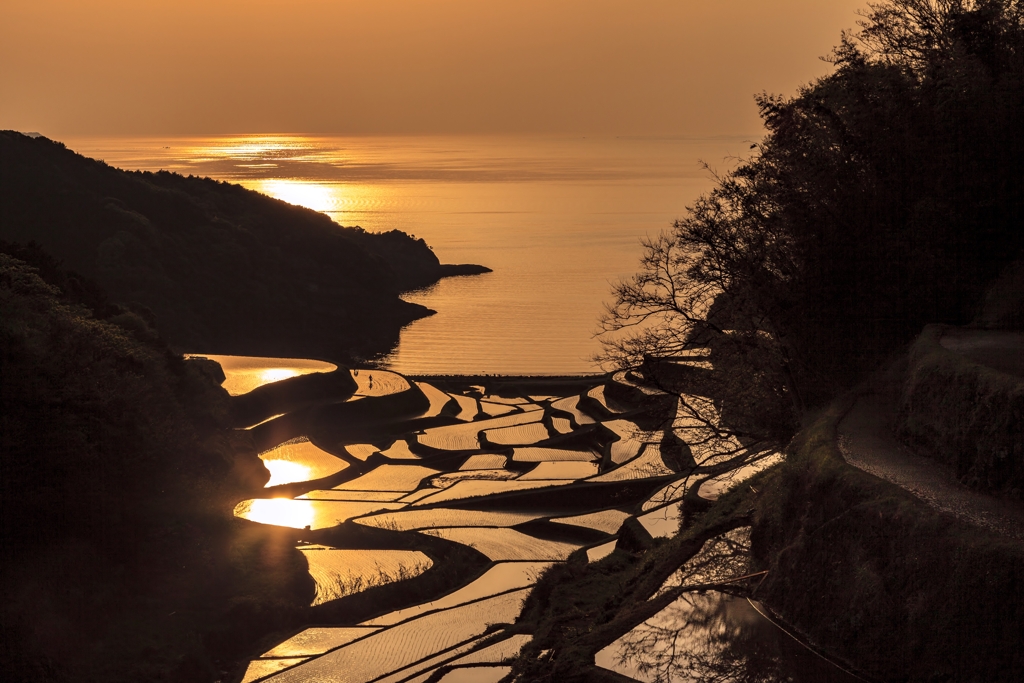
(212, 265)
(885, 196)
(120, 558)
(875, 576)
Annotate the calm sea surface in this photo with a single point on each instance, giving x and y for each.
(557, 219)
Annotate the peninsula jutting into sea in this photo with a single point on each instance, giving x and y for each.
(479, 407)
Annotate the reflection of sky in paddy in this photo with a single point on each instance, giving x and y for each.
(401, 498)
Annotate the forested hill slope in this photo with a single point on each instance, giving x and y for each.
(213, 265)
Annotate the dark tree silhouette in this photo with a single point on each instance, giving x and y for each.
(884, 196)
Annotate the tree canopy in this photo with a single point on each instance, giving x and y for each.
(884, 196)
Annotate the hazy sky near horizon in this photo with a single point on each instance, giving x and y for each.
(346, 67)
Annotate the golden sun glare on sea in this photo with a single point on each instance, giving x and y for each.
(311, 195)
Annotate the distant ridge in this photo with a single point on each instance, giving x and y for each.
(215, 266)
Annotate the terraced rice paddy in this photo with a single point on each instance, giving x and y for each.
(424, 669)
(422, 485)
(561, 425)
(484, 462)
(529, 454)
(379, 383)
(505, 544)
(392, 649)
(626, 378)
(519, 435)
(463, 437)
(671, 492)
(245, 373)
(647, 465)
(399, 450)
(599, 552)
(438, 399)
(361, 451)
(479, 488)
(502, 577)
(390, 478)
(477, 674)
(408, 520)
(261, 668)
(684, 642)
(506, 400)
(299, 460)
(299, 514)
(496, 409)
(597, 393)
(468, 407)
(494, 654)
(662, 522)
(631, 439)
(570, 404)
(607, 521)
(419, 494)
(316, 641)
(721, 558)
(561, 470)
(331, 494)
(338, 573)
(716, 486)
(495, 474)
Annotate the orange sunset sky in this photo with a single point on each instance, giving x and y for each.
(614, 67)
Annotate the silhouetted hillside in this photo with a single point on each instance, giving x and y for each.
(119, 558)
(213, 265)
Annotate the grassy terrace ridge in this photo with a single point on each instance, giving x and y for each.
(874, 576)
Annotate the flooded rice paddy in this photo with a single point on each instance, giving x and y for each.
(245, 373)
(522, 474)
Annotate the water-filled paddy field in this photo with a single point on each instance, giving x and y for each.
(488, 483)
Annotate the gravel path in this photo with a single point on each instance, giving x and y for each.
(866, 443)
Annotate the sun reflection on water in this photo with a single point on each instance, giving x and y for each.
(277, 374)
(245, 373)
(312, 195)
(297, 514)
(286, 472)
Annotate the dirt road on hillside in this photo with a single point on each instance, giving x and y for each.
(867, 443)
